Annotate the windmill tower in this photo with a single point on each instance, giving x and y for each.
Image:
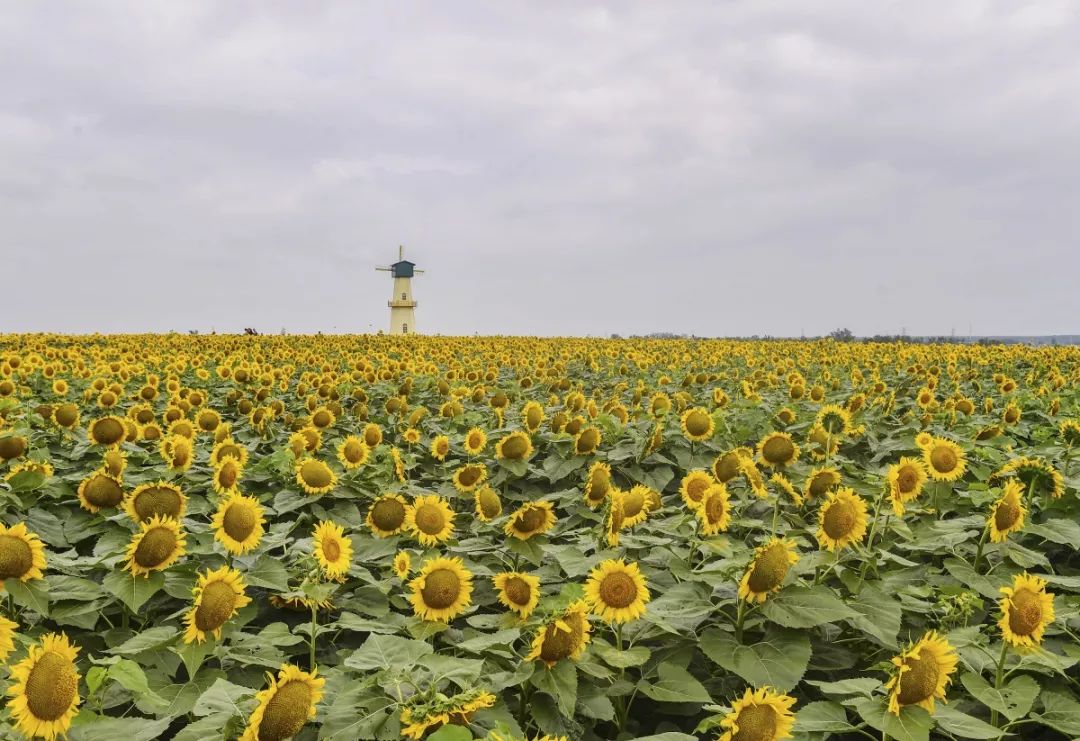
(402, 314)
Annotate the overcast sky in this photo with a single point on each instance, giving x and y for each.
(718, 168)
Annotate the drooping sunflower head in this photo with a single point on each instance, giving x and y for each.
(108, 430)
(1069, 431)
(565, 636)
(597, 484)
(430, 519)
(517, 591)
(157, 545)
(693, 488)
(821, 444)
(469, 476)
(842, 519)
(22, 554)
(333, 550)
(616, 591)
(314, 476)
(442, 590)
(714, 511)
(488, 504)
(238, 523)
(387, 515)
(587, 440)
(834, 420)
(475, 441)
(753, 477)
(759, 715)
(152, 499)
(515, 446)
(820, 481)
(1007, 513)
(285, 706)
(45, 690)
(531, 518)
(777, 450)
(945, 460)
(783, 483)
(923, 673)
(768, 569)
(697, 424)
(1026, 609)
(216, 597)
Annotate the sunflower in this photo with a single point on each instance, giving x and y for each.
(597, 484)
(616, 591)
(372, 435)
(332, 550)
(155, 547)
(697, 424)
(1026, 609)
(766, 573)
(785, 485)
(177, 451)
(727, 465)
(834, 420)
(714, 511)
(285, 706)
(488, 504)
(215, 599)
(753, 477)
(777, 450)
(531, 518)
(106, 431)
(518, 592)
(514, 447)
(1069, 431)
(314, 476)
(352, 452)
(822, 445)
(440, 447)
(238, 523)
(399, 464)
(100, 490)
(66, 416)
(614, 517)
(760, 715)
(565, 636)
(402, 564)
(442, 590)
(905, 480)
(411, 436)
(636, 505)
(430, 519)
(469, 476)
(114, 462)
(387, 515)
(322, 418)
(45, 688)
(226, 475)
(842, 519)
(7, 637)
(1007, 513)
(12, 447)
(693, 488)
(1035, 473)
(532, 416)
(587, 440)
(924, 440)
(923, 673)
(158, 498)
(22, 554)
(475, 441)
(417, 720)
(945, 460)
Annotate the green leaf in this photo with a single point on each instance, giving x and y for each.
(193, 654)
(561, 682)
(130, 676)
(148, 639)
(32, 595)
(1061, 712)
(806, 607)
(133, 590)
(865, 686)
(95, 677)
(674, 685)
(222, 697)
(879, 614)
(451, 732)
(913, 723)
(1060, 531)
(778, 660)
(388, 652)
(269, 573)
(822, 717)
(962, 724)
(1013, 700)
(628, 657)
(462, 672)
(88, 727)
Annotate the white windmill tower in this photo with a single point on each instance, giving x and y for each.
(402, 306)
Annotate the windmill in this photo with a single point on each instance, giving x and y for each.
(402, 314)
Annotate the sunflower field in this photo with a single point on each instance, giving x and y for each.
(516, 539)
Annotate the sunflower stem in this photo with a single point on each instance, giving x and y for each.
(775, 515)
(311, 638)
(999, 676)
(740, 616)
(870, 540)
(979, 552)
